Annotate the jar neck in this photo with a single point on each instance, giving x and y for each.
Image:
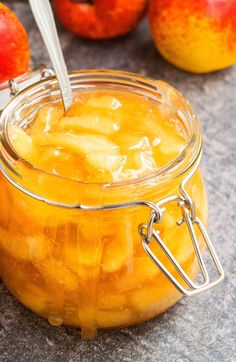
(30, 180)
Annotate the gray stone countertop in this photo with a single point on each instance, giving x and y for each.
(200, 329)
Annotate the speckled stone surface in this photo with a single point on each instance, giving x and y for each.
(201, 329)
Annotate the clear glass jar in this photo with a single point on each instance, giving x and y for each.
(102, 255)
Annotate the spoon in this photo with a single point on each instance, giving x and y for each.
(43, 15)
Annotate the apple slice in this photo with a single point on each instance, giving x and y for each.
(170, 148)
(21, 142)
(55, 273)
(143, 271)
(118, 248)
(98, 151)
(35, 248)
(90, 122)
(108, 301)
(106, 102)
(47, 118)
(82, 257)
(139, 156)
(152, 300)
(114, 318)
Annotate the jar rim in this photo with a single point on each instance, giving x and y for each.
(174, 169)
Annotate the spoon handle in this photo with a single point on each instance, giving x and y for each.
(44, 18)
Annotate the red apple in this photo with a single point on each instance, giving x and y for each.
(196, 35)
(14, 45)
(100, 19)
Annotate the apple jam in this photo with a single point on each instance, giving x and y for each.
(87, 268)
(104, 137)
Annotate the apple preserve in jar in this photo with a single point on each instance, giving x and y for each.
(102, 207)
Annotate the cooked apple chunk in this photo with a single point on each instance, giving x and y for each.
(98, 151)
(105, 102)
(22, 142)
(91, 122)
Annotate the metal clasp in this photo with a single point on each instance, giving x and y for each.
(17, 85)
(14, 89)
(148, 234)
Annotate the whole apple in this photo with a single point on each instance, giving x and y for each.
(100, 19)
(14, 45)
(197, 36)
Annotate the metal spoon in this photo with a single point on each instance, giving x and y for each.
(43, 15)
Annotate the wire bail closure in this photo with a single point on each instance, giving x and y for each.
(148, 234)
(14, 85)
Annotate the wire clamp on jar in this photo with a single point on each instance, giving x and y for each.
(149, 234)
(13, 87)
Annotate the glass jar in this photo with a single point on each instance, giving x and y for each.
(96, 255)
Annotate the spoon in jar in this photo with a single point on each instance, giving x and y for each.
(43, 15)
